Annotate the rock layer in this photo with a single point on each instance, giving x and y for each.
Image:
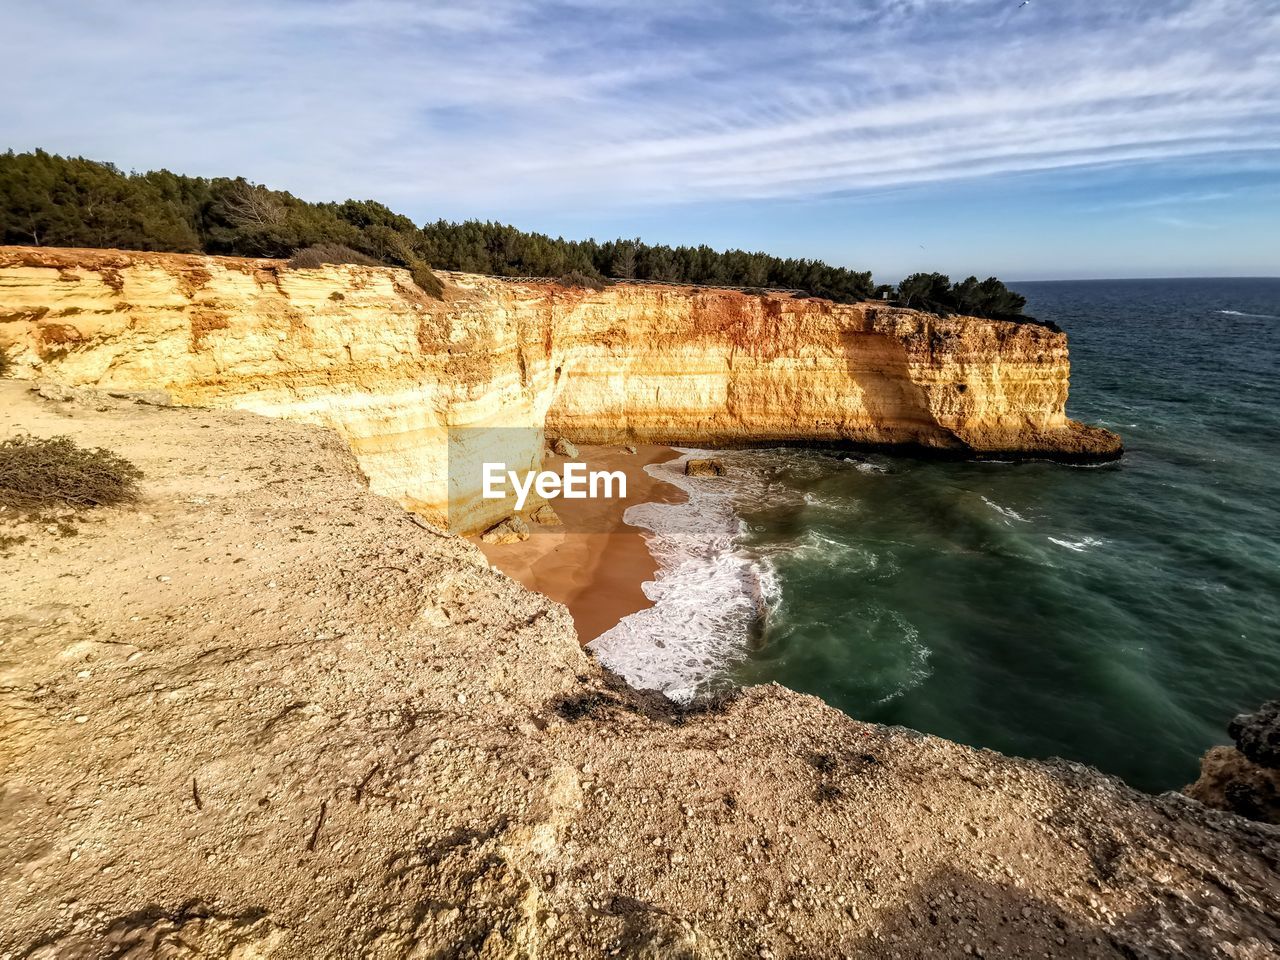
(415, 384)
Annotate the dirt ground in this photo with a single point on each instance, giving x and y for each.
(266, 714)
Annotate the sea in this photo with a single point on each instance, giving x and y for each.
(1115, 615)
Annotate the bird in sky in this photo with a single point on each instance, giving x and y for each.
(1024, 3)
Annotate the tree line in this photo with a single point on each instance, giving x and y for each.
(50, 200)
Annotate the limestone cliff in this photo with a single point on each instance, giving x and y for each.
(400, 375)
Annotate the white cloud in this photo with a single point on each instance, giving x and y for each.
(509, 104)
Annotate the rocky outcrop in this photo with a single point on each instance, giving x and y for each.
(703, 467)
(417, 384)
(1245, 779)
(1231, 781)
(1258, 734)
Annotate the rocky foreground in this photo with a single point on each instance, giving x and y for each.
(269, 714)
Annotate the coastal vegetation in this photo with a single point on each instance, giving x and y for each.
(936, 292)
(39, 472)
(50, 200)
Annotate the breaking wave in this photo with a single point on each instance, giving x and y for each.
(1241, 313)
(711, 596)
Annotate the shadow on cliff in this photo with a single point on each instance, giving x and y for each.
(881, 368)
(955, 915)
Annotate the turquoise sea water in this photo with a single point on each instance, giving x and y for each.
(1116, 615)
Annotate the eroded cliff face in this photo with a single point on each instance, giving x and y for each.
(409, 380)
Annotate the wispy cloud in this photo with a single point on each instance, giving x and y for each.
(507, 104)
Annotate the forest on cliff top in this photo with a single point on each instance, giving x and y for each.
(50, 200)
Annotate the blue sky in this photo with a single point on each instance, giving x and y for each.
(1060, 139)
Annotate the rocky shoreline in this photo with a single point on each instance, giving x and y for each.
(266, 714)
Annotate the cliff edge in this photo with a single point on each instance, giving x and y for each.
(265, 714)
(401, 375)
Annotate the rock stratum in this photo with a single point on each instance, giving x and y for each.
(411, 382)
(265, 714)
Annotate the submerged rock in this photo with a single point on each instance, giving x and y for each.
(708, 467)
(510, 530)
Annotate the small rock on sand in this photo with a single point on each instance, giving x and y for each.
(546, 516)
(565, 448)
(150, 398)
(510, 530)
(55, 391)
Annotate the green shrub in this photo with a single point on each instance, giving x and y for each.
(38, 472)
(936, 292)
(429, 283)
(319, 254)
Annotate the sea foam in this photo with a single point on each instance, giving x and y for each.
(710, 596)
(1078, 546)
(1240, 313)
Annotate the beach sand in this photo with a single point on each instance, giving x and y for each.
(595, 563)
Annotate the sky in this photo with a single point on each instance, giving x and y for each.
(1051, 140)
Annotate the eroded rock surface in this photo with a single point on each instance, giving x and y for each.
(1258, 734)
(1231, 781)
(1245, 779)
(267, 692)
(704, 467)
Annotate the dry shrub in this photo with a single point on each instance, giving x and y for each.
(40, 472)
(576, 278)
(6, 363)
(322, 253)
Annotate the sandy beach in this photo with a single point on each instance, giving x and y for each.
(595, 563)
